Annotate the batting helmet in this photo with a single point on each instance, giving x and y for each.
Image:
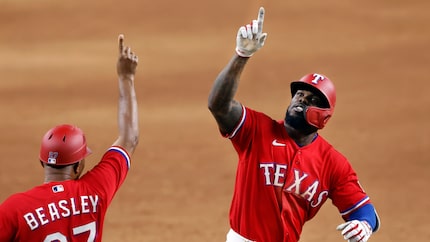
(323, 86)
(63, 145)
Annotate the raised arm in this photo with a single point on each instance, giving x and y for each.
(223, 107)
(128, 124)
(227, 111)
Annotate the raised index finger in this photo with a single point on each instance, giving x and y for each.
(121, 43)
(260, 20)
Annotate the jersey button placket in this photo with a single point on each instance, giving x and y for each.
(298, 157)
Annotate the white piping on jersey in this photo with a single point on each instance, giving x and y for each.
(355, 207)
(120, 150)
(240, 123)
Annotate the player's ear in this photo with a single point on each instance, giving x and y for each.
(42, 164)
(78, 167)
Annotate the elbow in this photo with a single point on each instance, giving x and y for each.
(129, 143)
(211, 103)
(134, 140)
(219, 108)
(216, 107)
(211, 106)
(215, 102)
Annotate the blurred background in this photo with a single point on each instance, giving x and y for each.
(58, 65)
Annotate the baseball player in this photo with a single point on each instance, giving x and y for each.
(286, 170)
(68, 207)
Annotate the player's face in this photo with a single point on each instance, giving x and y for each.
(307, 98)
(295, 116)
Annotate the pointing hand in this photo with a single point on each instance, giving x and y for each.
(127, 60)
(250, 37)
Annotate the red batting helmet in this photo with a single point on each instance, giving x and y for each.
(322, 85)
(63, 145)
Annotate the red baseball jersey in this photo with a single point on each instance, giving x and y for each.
(71, 210)
(279, 185)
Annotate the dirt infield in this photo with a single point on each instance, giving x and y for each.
(58, 66)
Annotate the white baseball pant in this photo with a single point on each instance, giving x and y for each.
(232, 236)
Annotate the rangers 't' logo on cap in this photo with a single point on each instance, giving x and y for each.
(317, 78)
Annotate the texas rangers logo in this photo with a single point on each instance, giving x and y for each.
(52, 158)
(317, 78)
(301, 184)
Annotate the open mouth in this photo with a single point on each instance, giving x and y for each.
(299, 108)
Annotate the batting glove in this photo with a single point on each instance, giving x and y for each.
(355, 231)
(250, 37)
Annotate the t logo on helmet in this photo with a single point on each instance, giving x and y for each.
(52, 159)
(317, 78)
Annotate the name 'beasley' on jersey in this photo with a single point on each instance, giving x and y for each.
(61, 208)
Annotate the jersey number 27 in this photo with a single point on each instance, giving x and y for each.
(91, 227)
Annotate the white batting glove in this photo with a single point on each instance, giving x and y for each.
(355, 231)
(250, 37)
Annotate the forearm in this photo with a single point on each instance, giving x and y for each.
(366, 213)
(227, 111)
(361, 224)
(225, 86)
(128, 122)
